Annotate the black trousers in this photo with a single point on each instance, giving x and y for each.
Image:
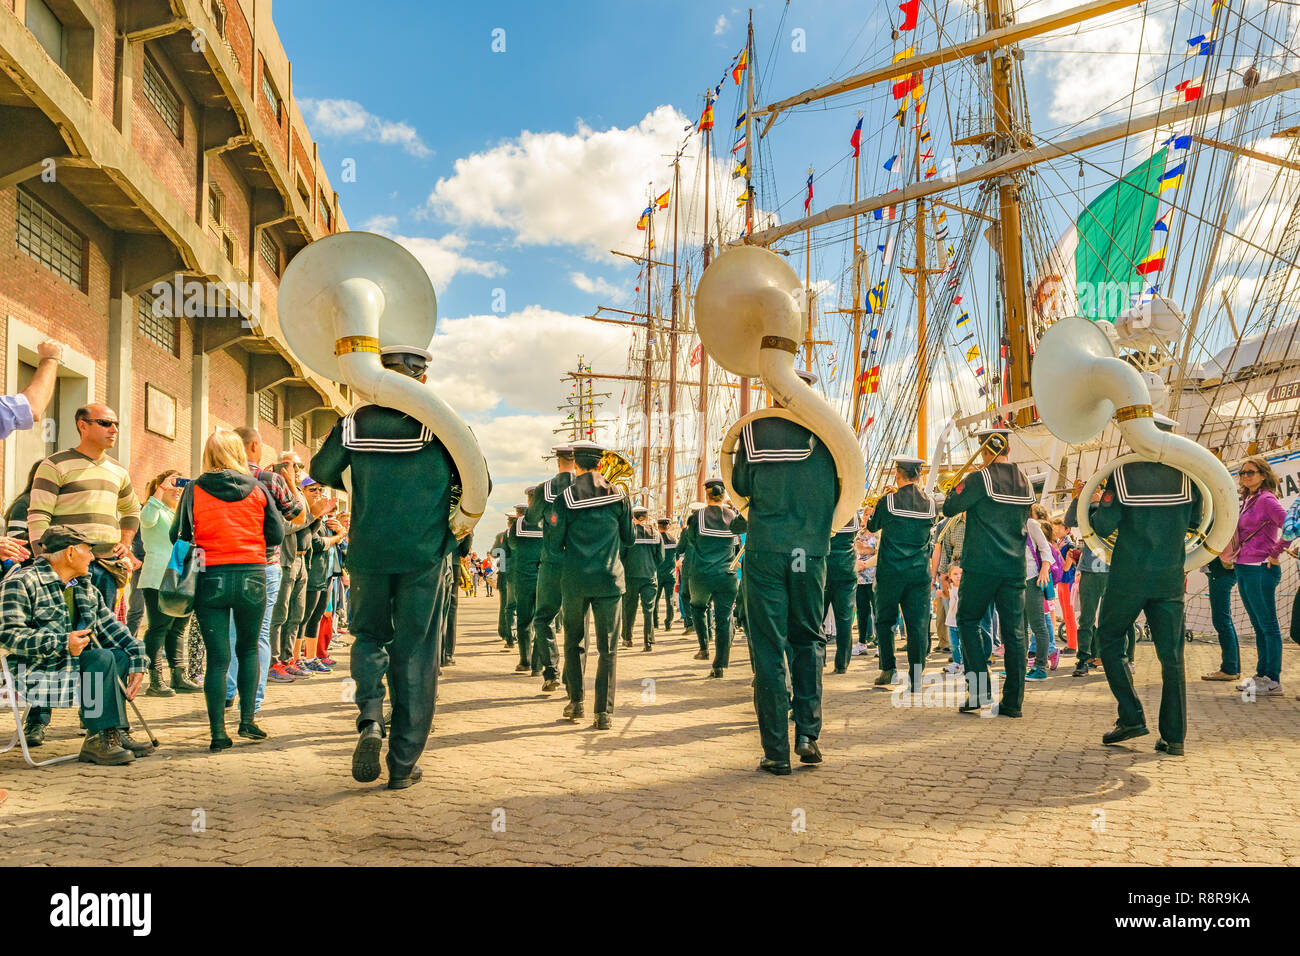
(913, 597)
(1092, 585)
(135, 605)
(315, 610)
(665, 589)
(977, 591)
(862, 597)
(840, 596)
(783, 603)
(221, 595)
(605, 612)
(506, 610)
(684, 594)
(546, 652)
(718, 591)
(447, 650)
(523, 585)
(1119, 609)
(162, 631)
(639, 591)
(397, 622)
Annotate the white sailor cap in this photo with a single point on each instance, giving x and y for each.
(407, 350)
(697, 506)
(640, 510)
(909, 460)
(590, 447)
(998, 430)
(563, 451)
(1164, 422)
(521, 508)
(809, 377)
(715, 483)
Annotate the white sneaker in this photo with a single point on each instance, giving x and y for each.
(1248, 683)
(1267, 687)
(858, 650)
(954, 668)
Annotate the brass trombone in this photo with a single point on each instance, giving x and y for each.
(956, 480)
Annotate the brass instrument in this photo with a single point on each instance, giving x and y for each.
(954, 481)
(617, 470)
(463, 579)
(870, 501)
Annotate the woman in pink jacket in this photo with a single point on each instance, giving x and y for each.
(1258, 543)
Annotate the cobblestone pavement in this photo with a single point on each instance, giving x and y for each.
(506, 780)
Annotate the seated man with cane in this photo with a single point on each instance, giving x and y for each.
(67, 647)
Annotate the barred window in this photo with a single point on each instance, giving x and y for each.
(49, 240)
(158, 329)
(164, 99)
(266, 406)
(298, 431)
(214, 205)
(270, 251)
(326, 213)
(271, 94)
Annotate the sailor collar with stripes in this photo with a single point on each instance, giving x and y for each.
(645, 535)
(756, 451)
(591, 491)
(1146, 487)
(1006, 484)
(354, 442)
(910, 502)
(523, 531)
(852, 527)
(548, 491)
(714, 521)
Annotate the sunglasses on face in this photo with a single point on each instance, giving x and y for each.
(1249, 471)
(103, 422)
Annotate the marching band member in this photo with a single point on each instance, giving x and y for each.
(684, 578)
(641, 566)
(996, 500)
(541, 505)
(593, 520)
(398, 598)
(667, 578)
(841, 590)
(790, 479)
(713, 582)
(525, 543)
(1150, 507)
(505, 596)
(904, 519)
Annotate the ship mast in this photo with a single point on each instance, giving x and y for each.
(649, 325)
(749, 169)
(669, 489)
(703, 420)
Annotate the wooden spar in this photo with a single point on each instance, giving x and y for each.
(645, 389)
(669, 481)
(628, 255)
(1015, 369)
(807, 298)
(922, 275)
(857, 298)
(1248, 153)
(1001, 38)
(963, 209)
(683, 383)
(749, 172)
(703, 418)
(1022, 159)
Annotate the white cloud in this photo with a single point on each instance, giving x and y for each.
(596, 286)
(348, 119)
(442, 257)
(585, 188)
(721, 25)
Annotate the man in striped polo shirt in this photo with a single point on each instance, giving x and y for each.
(85, 489)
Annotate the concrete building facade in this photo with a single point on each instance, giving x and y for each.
(156, 176)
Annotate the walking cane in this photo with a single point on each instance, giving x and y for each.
(122, 687)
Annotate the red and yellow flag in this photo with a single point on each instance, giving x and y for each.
(740, 65)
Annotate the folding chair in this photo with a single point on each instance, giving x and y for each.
(9, 697)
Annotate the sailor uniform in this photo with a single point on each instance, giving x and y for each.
(713, 546)
(594, 523)
(541, 505)
(996, 500)
(904, 519)
(525, 543)
(1150, 507)
(453, 607)
(667, 579)
(641, 566)
(506, 611)
(841, 590)
(400, 543)
(789, 477)
(683, 556)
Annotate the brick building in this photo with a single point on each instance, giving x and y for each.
(149, 147)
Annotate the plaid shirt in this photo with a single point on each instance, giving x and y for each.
(34, 628)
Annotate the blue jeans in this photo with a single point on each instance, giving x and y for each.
(1221, 615)
(263, 640)
(954, 642)
(1258, 587)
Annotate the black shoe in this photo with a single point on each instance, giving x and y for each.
(627, 643)
(602, 722)
(647, 649)
(969, 708)
(807, 749)
(883, 679)
(141, 748)
(1080, 669)
(35, 734)
(574, 711)
(182, 684)
(450, 662)
(701, 655)
(365, 758)
(252, 731)
(410, 780)
(549, 686)
(841, 670)
(1003, 712)
(1123, 732)
(774, 767)
(1164, 746)
(230, 703)
(220, 743)
(522, 668)
(716, 672)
